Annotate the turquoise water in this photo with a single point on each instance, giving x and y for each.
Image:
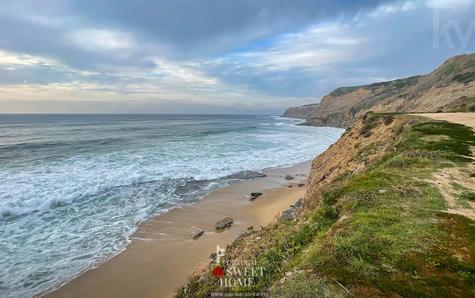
(73, 188)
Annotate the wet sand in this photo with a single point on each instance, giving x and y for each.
(162, 254)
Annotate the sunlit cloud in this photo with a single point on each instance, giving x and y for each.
(10, 59)
(313, 49)
(100, 39)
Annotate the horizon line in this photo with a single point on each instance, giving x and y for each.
(54, 113)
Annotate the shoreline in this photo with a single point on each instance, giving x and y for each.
(162, 253)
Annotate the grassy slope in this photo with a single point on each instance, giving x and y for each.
(381, 232)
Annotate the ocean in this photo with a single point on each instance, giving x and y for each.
(73, 188)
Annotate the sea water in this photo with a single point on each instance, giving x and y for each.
(73, 188)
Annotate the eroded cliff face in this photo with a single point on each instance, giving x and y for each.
(367, 140)
(451, 87)
(302, 112)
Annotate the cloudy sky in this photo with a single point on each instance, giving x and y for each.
(215, 56)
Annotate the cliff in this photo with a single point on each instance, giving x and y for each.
(302, 112)
(451, 87)
(375, 221)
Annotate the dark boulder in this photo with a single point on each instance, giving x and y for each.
(255, 195)
(289, 214)
(292, 212)
(298, 204)
(224, 223)
(197, 233)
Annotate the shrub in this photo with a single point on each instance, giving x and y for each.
(330, 197)
(467, 196)
(388, 119)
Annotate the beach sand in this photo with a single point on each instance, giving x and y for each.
(162, 253)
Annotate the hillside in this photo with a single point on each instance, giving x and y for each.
(381, 218)
(451, 87)
(302, 112)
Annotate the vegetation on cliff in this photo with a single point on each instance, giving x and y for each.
(375, 223)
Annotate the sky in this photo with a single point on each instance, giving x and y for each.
(215, 56)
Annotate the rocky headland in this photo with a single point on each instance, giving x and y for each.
(451, 87)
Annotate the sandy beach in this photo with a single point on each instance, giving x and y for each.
(162, 253)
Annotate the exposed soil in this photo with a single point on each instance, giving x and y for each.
(452, 182)
(460, 118)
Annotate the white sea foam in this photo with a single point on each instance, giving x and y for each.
(73, 191)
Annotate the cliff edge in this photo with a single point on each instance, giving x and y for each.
(387, 213)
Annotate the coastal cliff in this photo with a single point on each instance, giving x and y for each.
(388, 209)
(302, 112)
(451, 87)
(375, 221)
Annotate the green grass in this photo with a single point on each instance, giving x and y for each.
(437, 272)
(464, 197)
(389, 213)
(465, 78)
(455, 148)
(281, 253)
(449, 69)
(308, 286)
(380, 233)
(470, 64)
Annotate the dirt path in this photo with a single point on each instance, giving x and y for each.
(454, 182)
(461, 118)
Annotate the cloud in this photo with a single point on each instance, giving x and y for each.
(207, 27)
(100, 39)
(392, 8)
(258, 55)
(449, 4)
(9, 59)
(314, 48)
(298, 64)
(393, 40)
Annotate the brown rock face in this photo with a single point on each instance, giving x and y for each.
(302, 112)
(451, 87)
(352, 152)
